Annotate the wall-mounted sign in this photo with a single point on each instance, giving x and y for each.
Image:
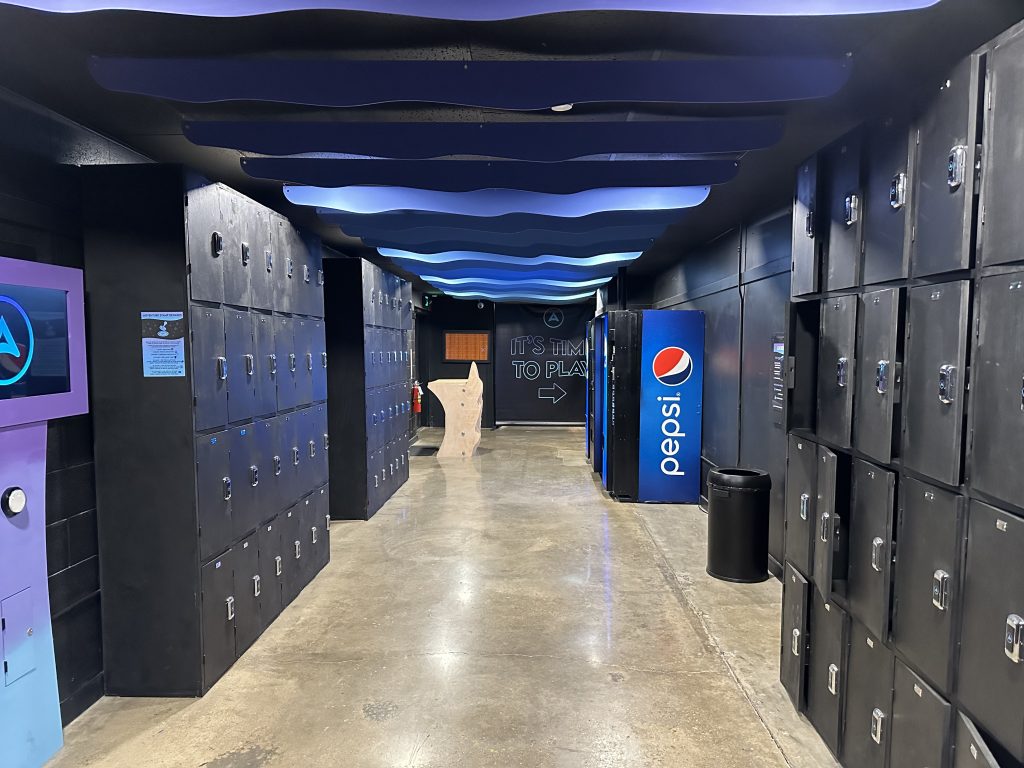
(163, 344)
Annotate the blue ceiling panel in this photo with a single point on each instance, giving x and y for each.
(489, 241)
(529, 250)
(357, 224)
(502, 284)
(411, 261)
(483, 272)
(520, 296)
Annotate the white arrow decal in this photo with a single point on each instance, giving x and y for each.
(554, 393)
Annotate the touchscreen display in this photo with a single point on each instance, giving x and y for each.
(34, 357)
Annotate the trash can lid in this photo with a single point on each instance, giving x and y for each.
(739, 477)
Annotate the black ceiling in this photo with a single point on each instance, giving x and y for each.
(44, 58)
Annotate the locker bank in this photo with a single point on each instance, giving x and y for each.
(380, 382)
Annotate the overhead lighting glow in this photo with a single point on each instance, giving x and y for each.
(561, 108)
(514, 283)
(400, 221)
(493, 258)
(496, 242)
(520, 296)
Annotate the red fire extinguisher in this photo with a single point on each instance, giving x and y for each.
(417, 397)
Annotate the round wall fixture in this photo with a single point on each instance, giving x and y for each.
(13, 501)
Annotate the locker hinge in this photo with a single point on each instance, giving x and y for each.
(3, 624)
(5, 667)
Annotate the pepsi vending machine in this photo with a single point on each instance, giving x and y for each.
(654, 386)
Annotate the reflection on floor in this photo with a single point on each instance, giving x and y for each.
(497, 612)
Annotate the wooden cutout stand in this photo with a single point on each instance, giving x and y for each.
(463, 403)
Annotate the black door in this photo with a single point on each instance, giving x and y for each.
(241, 355)
(887, 202)
(293, 542)
(261, 257)
(806, 230)
(214, 491)
(245, 478)
(826, 678)
(266, 364)
(845, 204)
(287, 363)
(837, 369)
(879, 372)
(868, 701)
(319, 346)
(795, 639)
(831, 539)
(801, 502)
(218, 600)
(237, 259)
(268, 495)
(921, 723)
(207, 243)
(303, 329)
(210, 368)
(248, 591)
(970, 750)
(271, 570)
(870, 546)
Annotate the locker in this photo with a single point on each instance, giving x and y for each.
(997, 391)
(991, 676)
(271, 562)
(801, 499)
(837, 369)
(926, 576)
(323, 512)
(868, 701)
(323, 445)
(240, 352)
(245, 475)
(944, 184)
(370, 355)
(313, 529)
(314, 257)
(268, 492)
(879, 374)
(266, 364)
(247, 592)
(210, 368)
(831, 540)
(368, 292)
(826, 674)
(938, 318)
(218, 599)
(870, 546)
(303, 329)
(796, 592)
(207, 243)
(407, 310)
(920, 723)
(845, 210)
(888, 190)
(970, 750)
(292, 445)
(807, 231)
(319, 362)
(309, 446)
(371, 418)
(292, 542)
(237, 258)
(256, 234)
(214, 491)
(285, 299)
(287, 363)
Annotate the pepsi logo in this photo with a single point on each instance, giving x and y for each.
(672, 366)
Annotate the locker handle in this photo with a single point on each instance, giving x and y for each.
(277, 565)
(269, 258)
(277, 466)
(295, 455)
(1014, 637)
(298, 549)
(805, 505)
(825, 527)
(1022, 393)
(833, 679)
(291, 267)
(231, 608)
(877, 547)
(851, 209)
(877, 725)
(222, 368)
(319, 277)
(273, 364)
(842, 371)
(216, 244)
(250, 365)
(374, 415)
(795, 645)
(256, 586)
(809, 223)
(305, 273)
(327, 441)
(323, 359)
(227, 488)
(940, 589)
(245, 254)
(947, 384)
(956, 167)
(314, 535)
(882, 377)
(254, 475)
(309, 361)
(312, 449)
(291, 362)
(376, 482)
(898, 191)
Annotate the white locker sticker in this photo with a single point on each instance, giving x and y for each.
(163, 344)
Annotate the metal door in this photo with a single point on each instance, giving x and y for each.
(879, 374)
(933, 379)
(407, 310)
(926, 576)
(293, 542)
(238, 253)
(241, 354)
(845, 209)
(309, 444)
(944, 193)
(887, 202)
(868, 701)
(218, 599)
(366, 282)
(831, 543)
(287, 363)
(291, 446)
(210, 368)
(247, 592)
(245, 476)
(801, 500)
(970, 750)
(319, 344)
(285, 290)
(921, 723)
(991, 677)
(257, 234)
(316, 270)
(268, 460)
(998, 389)
(826, 674)
(796, 592)
(214, 491)
(207, 243)
(312, 529)
(323, 510)
(837, 369)
(271, 559)
(266, 363)
(870, 551)
(806, 230)
(373, 490)
(323, 444)
(303, 328)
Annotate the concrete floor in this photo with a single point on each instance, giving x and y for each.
(498, 612)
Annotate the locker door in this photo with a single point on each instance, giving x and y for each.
(312, 529)
(316, 268)
(320, 434)
(845, 196)
(238, 254)
(921, 723)
(207, 243)
(367, 292)
(266, 364)
(261, 257)
(214, 489)
(267, 492)
(870, 542)
(372, 483)
(807, 231)
(795, 641)
(991, 677)
(304, 350)
(371, 418)
(878, 374)
(324, 516)
(925, 578)
(271, 561)
(309, 445)
(291, 454)
(319, 349)
(247, 591)
(944, 195)
(293, 543)
(287, 363)
(826, 674)
(407, 311)
(998, 389)
(933, 379)
(280, 283)
(245, 477)
(210, 368)
(288, 294)
(970, 750)
(241, 355)
(831, 540)
(837, 368)
(887, 203)
(218, 598)
(868, 701)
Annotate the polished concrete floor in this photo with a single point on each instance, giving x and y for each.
(497, 612)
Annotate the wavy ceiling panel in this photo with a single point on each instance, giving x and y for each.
(529, 250)
(529, 283)
(356, 224)
(520, 296)
(409, 260)
(487, 241)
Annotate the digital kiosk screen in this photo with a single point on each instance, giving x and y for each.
(33, 342)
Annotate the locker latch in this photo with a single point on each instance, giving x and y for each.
(947, 384)
(273, 364)
(842, 371)
(851, 209)
(323, 359)
(298, 549)
(217, 244)
(795, 645)
(956, 168)
(877, 548)
(314, 534)
(254, 475)
(227, 488)
(222, 368)
(805, 505)
(376, 481)
(940, 589)
(825, 527)
(256, 586)
(278, 570)
(295, 455)
(305, 273)
(809, 223)
(833, 679)
(882, 377)
(291, 362)
(312, 449)
(291, 267)
(898, 191)
(277, 466)
(245, 254)
(1014, 637)
(268, 257)
(231, 608)
(250, 365)
(319, 277)
(877, 725)
(327, 441)
(309, 361)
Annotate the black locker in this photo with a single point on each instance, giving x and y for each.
(241, 354)
(801, 501)
(944, 193)
(920, 723)
(969, 749)
(831, 538)
(308, 444)
(926, 577)
(303, 330)
(271, 571)
(290, 436)
(218, 608)
(319, 349)
(245, 478)
(313, 528)
(292, 543)
(845, 210)
(934, 372)
(210, 368)
(998, 389)
(256, 234)
(888, 190)
(991, 675)
(266, 364)
(879, 374)
(796, 592)
(207, 243)
(407, 309)
(323, 445)
(284, 290)
(248, 590)
(868, 701)
(237, 257)
(837, 369)
(287, 363)
(807, 233)
(214, 491)
(323, 517)
(268, 492)
(826, 675)
(870, 546)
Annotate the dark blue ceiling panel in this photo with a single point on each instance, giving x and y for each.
(492, 273)
(546, 140)
(481, 10)
(498, 84)
(469, 175)
(508, 284)
(497, 242)
(517, 296)
(420, 261)
(593, 248)
(356, 223)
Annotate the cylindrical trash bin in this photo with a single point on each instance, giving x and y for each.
(738, 504)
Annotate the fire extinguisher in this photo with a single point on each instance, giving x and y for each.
(417, 397)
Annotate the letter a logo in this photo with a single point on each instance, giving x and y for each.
(7, 345)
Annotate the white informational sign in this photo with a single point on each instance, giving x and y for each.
(163, 344)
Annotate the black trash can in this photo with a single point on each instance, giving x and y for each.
(738, 511)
